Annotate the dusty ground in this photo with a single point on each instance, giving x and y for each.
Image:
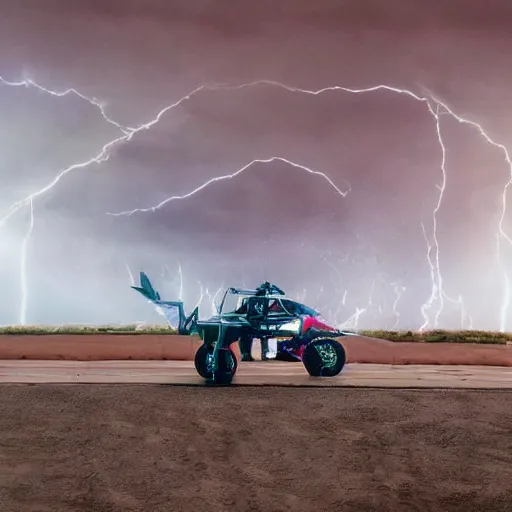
(255, 374)
(158, 347)
(159, 448)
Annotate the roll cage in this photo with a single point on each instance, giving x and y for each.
(262, 310)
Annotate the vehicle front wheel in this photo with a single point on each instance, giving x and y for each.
(226, 365)
(324, 357)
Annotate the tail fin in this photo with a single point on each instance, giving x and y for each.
(146, 288)
(172, 310)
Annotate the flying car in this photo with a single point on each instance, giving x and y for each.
(263, 313)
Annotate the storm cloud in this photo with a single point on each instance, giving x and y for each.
(366, 251)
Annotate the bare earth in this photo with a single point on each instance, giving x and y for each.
(152, 448)
(256, 374)
(169, 347)
(161, 448)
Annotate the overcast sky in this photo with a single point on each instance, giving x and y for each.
(366, 251)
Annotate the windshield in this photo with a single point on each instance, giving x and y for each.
(295, 308)
(235, 303)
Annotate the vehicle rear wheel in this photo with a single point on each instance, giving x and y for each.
(226, 365)
(324, 357)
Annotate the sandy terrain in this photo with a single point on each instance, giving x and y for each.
(161, 347)
(256, 374)
(160, 449)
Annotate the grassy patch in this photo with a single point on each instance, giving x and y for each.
(435, 336)
(441, 336)
(85, 329)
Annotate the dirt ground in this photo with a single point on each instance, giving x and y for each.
(359, 349)
(161, 448)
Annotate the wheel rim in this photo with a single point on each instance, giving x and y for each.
(327, 354)
(229, 362)
(209, 363)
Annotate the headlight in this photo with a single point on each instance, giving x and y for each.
(292, 326)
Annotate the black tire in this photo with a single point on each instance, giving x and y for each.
(328, 364)
(226, 367)
(201, 362)
(227, 364)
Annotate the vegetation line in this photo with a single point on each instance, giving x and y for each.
(443, 336)
(434, 336)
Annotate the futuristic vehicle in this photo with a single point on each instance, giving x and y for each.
(264, 313)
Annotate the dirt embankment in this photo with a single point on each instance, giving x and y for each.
(377, 351)
(97, 347)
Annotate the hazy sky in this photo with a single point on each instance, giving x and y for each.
(366, 251)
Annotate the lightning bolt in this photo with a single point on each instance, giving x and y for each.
(180, 272)
(213, 298)
(437, 283)
(231, 176)
(130, 275)
(180, 276)
(464, 315)
(67, 92)
(201, 295)
(436, 276)
(23, 266)
(301, 296)
(435, 107)
(399, 291)
(102, 156)
(353, 321)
